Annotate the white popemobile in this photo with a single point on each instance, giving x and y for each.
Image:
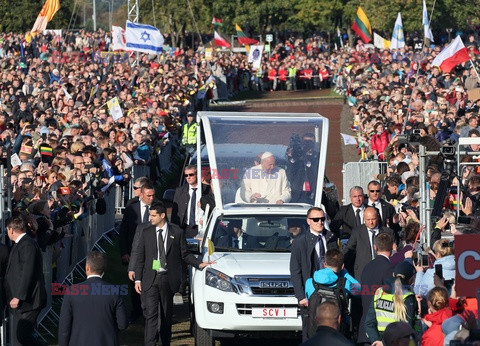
(255, 160)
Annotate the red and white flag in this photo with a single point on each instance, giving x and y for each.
(220, 41)
(454, 54)
(118, 38)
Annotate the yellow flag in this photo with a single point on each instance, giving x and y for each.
(46, 14)
(211, 247)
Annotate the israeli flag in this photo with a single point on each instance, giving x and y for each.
(143, 38)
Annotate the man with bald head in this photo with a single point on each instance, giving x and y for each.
(265, 183)
(359, 250)
(328, 319)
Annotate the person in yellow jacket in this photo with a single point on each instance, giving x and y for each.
(189, 134)
(392, 303)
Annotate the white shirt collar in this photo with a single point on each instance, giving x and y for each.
(94, 276)
(20, 237)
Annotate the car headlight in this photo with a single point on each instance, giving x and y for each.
(218, 280)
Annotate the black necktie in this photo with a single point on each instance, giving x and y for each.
(357, 217)
(320, 255)
(161, 248)
(193, 201)
(145, 214)
(372, 236)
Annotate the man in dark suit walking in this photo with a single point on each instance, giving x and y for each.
(135, 214)
(360, 250)
(308, 253)
(374, 274)
(349, 216)
(94, 318)
(185, 202)
(137, 189)
(24, 283)
(158, 273)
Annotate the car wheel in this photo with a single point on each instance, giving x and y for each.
(202, 337)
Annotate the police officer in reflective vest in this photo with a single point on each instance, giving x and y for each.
(391, 303)
(189, 137)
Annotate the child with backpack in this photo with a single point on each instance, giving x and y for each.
(331, 283)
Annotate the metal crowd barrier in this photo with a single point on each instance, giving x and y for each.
(65, 261)
(359, 174)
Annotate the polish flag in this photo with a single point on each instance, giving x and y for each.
(454, 54)
(220, 41)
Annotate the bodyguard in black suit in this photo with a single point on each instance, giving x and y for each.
(308, 252)
(24, 283)
(185, 202)
(375, 273)
(135, 214)
(94, 318)
(385, 209)
(349, 216)
(359, 250)
(158, 273)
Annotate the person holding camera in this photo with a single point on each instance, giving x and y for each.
(444, 256)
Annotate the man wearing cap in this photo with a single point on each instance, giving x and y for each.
(265, 183)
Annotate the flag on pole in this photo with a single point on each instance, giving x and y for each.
(348, 140)
(217, 22)
(426, 24)
(380, 42)
(454, 54)
(50, 7)
(339, 35)
(242, 38)
(210, 246)
(143, 38)
(115, 109)
(398, 40)
(118, 38)
(220, 41)
(255, 56)
(361, 26)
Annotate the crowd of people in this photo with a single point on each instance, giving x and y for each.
(66, 150)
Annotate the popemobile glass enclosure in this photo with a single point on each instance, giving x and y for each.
(264, 158)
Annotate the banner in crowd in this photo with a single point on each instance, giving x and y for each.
(255, 55)
(454, 54)
(50, 7)
(398, 39)
(361, 26)
(56, 32)
(115, 109)
(467, 262)
(349, 140)
(143, 38)
(118, 38)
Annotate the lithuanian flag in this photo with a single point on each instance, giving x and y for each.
(46, 151)
(361, 26)
(242, 38)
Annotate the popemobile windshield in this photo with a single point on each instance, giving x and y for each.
(292, 148)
